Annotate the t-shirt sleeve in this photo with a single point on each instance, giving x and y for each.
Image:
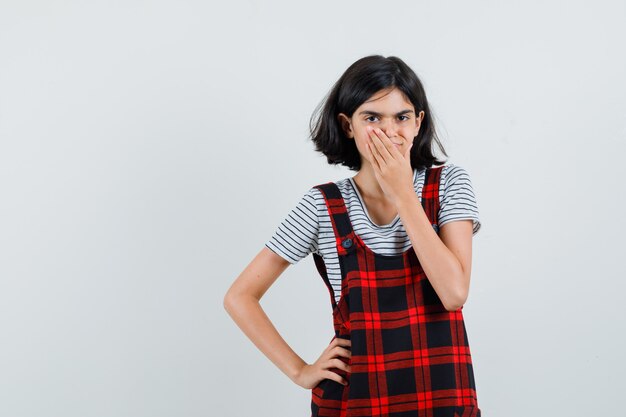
(458, 201)
(297, 235)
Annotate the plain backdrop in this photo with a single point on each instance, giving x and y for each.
(148, 150)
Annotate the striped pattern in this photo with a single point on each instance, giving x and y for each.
(307, 228)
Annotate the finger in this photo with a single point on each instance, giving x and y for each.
(383, 144)
(378, 148)
(340, 341)
(394, 151)
(373, 155)
(342, 344)
(338, 350)
(335, 377)
(344, 341)
(339, 364)
(407, 153)
(334, 350)
(368, 151)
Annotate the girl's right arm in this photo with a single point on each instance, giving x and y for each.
(241, 301)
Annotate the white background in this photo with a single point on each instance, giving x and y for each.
(149, 149)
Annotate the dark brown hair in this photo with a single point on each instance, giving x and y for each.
(359, 82)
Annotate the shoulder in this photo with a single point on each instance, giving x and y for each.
(297, 234)
(457, 197)
(450, 174)
(342, 188)
(454, 175)
(309, 201)
(342, 184)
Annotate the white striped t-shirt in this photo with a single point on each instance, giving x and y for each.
(308, 228)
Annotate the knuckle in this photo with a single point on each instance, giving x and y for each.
(333, 376)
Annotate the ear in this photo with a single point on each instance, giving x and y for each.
(346, 126)
(418, 121)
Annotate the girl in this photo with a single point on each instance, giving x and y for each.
(393, 245)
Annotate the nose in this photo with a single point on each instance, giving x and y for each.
(390, 128)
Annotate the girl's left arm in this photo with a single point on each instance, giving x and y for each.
(445, 257)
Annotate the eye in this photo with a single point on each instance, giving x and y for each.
(368, 118)
(406, 117)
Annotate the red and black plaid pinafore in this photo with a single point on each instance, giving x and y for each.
(410, 356)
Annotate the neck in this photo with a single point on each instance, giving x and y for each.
(368, 185)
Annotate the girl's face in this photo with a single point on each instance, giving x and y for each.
(390, 111)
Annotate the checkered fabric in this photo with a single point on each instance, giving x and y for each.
(410, 356)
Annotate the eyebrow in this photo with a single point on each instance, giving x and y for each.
(373, 113)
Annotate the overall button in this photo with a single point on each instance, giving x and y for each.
(347, 243)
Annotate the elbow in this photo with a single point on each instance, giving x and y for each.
(226, 302)
(229, 301)
(456, 302)
(234, 299)
(453, 306)
(458, 294)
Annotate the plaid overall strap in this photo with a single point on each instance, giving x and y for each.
(338, 212)
(430, 195)
(342, 228)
